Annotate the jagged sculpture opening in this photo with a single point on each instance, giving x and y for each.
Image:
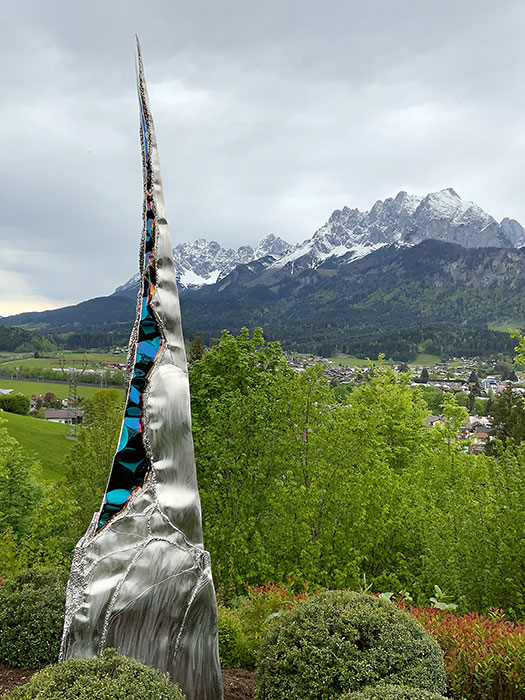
(140, 579)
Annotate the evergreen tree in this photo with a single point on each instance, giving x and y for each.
(196, 349)
(473, 379)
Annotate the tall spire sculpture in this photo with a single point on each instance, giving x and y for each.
(140, 579)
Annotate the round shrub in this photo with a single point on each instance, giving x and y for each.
(32, 617)
(233, 650)
(339, 642)
(392, 692)
(107, 678)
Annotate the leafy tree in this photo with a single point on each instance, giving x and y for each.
(15, 403)
(56, 525)
(480, 406)
(507, 412)
(433, 398)
(19, 488)
(235, 422)
(520, 347)
(424, 377)
(455, 416)
(92, 456)
(462, 399)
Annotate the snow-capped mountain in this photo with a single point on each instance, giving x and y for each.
(204, 262)
(404, 220)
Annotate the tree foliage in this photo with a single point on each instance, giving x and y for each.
(19, 486)
(91, 458)
(15, 403)
(296, 486)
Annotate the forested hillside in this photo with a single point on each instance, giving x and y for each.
(433, 297)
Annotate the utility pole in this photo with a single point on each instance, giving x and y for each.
(73, 377)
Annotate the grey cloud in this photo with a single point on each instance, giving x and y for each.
(269, 116)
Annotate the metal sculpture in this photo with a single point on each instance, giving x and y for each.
(140, 579)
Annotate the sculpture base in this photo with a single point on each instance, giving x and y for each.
(140, 587)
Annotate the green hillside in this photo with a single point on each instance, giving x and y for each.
(44, 439)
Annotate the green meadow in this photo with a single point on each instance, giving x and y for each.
(93, 360)
(45, 440)
(60, 389)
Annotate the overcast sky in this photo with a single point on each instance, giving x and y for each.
(269, 115)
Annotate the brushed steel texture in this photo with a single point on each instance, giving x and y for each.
(142, 582)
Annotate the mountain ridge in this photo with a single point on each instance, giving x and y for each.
(410, 259)
(403, 220)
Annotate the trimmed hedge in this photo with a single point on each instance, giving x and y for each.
(392, 692)
(32, 607)
(107, 678)
(341, 641)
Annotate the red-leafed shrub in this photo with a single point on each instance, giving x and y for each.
(259, 606)
(484, 654)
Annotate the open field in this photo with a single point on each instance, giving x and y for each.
(70, 359)
(425, 360)
(60, 389)
(9, 356)
(42, 438)
(504, 326)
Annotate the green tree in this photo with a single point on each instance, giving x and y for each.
(91, 457)
(519, 358)
(433, 398)
(473, 379)
(196, 349)
(507, 412)
(19, 488)
(236, 418)
(15, 403)
(455, 416)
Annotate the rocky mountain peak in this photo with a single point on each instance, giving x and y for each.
(350, 234)
(271, 245)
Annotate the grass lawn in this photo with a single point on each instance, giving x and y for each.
(93, 359)
(60, 389)
(44, 439)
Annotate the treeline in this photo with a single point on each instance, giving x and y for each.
(103, 376)
(13, 339)
(399, 344)
(91, 340)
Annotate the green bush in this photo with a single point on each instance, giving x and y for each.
(392, 692)
(233, 651)
(341, 641)
(107, 678)
(32, 617)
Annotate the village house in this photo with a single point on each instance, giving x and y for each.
(70, 416)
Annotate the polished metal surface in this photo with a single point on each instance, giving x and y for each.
(141, 580)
